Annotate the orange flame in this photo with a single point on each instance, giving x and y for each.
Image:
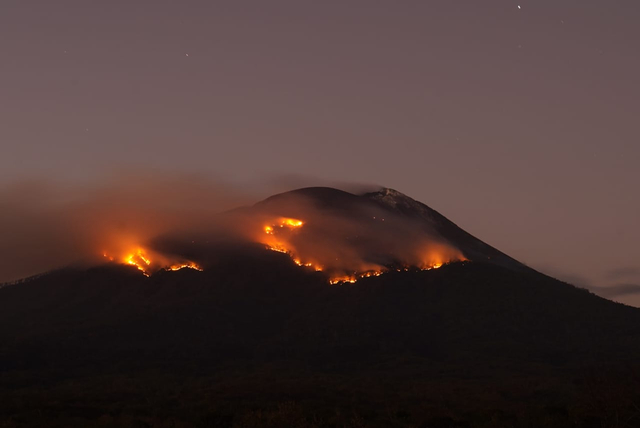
(282, 235)
(142, 260)
(274, 240)
(189, 265)
(274, 244)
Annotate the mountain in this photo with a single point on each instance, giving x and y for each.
(389, 204)
(254, 339)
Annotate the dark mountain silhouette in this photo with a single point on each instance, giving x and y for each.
(255, 340)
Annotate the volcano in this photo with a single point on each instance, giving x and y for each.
(315, 307)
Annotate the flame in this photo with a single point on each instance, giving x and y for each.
(189, 265)
(279, 245)
(146, 263)
(138, 260)
(282, 234)
(343, 280)
(291, 222)
(352, 279)
(278, 236)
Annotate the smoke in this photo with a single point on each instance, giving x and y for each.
(128, 218)
(46, 226)
(345, 235)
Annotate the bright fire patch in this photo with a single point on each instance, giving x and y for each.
(145, 262)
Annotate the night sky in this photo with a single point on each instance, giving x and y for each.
(518, 120)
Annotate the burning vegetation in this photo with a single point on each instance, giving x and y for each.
(148, 261)
(345, 252)
(277, 238)
(284, 235)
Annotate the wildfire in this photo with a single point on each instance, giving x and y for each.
(343, 280)
(279, 235)
(291, 222)
(189, 265)
(138, 260)
(283, 222)
(279, 245)
(142, 260)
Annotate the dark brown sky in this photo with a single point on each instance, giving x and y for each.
(521, 124)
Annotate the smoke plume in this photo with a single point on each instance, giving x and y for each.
(127, 220)
(46, 226)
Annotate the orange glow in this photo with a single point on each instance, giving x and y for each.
(343, 280)
(189, 265)
(138, 260)
(278, 248)
(292, 222)
(274, 243)
(282, 222)
(352, 279)
(370, 274)
(147, 263)
(280, 236)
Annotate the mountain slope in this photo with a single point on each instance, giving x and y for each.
(473, 248)
(254, 330)
(390, 205)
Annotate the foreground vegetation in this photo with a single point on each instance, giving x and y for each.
(467, 345)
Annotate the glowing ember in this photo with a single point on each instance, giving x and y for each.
(342, 280)
(370, 274)
(279, 249)
(351, 279)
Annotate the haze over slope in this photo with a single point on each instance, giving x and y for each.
(154, 224)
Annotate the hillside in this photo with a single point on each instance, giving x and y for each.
(256, 340)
